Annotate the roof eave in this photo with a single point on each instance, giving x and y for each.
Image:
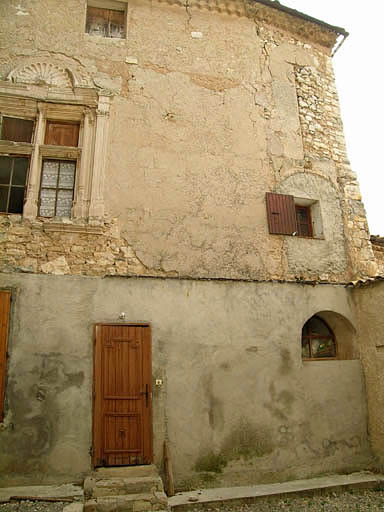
(276, 5)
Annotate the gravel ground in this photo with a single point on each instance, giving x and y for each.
(33, 506)
(352, 501)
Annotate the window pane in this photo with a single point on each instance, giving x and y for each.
(20, 168)
(302, 215)
(3, 198)
(50, 174)
(116, 24)
(17, 130)
(317, 326)
(5, 169)
(97, 21)
(305, 352)
(16, 200)
(67, 175)
(304, 230)
(64, 203)
(323, 347)
(47, 202)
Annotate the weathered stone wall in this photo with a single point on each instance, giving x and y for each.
(378, 251)
(238, 405)
(369, 299)
(206, 117)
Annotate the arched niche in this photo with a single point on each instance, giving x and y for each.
(344, 334)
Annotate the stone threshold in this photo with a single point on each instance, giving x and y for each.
(249, 494)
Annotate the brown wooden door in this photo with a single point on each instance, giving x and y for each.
(122, 422)
(5, 307)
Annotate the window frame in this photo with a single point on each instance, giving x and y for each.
(310, 336)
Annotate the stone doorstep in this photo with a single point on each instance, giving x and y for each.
(128, 503)
(121, 486)
(249, 494)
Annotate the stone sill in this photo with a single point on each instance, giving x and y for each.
(72, 228)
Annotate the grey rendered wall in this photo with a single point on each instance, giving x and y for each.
(237, 404)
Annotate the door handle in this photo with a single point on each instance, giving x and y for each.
(146, 393)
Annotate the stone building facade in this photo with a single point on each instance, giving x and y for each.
(188, 125)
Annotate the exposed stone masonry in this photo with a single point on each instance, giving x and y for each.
(323, 138)
(64, 248)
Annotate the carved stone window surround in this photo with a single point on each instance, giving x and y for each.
(89, 188)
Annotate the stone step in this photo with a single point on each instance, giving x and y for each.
(95, 488)
(147, 502)
(123, 481)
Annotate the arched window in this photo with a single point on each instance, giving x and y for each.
(318, 340)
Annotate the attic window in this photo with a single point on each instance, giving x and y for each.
(106, 19)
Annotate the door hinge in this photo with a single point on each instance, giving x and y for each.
(91, 451)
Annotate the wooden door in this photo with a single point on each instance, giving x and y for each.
(122, 422)
(5, 307)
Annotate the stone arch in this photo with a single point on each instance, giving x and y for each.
(344, 331)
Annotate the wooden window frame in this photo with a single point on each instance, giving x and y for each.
(5, 310)
(310, 336)
(25, 186)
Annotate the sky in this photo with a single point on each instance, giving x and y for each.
(359, 74)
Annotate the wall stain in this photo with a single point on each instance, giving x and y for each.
(215, 406)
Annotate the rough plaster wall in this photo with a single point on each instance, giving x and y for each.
(201, 127)
(236, 396)
(369, 300)
(327, 254)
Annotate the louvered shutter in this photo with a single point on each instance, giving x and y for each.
(281, 214)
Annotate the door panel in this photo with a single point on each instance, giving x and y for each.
(122, 425)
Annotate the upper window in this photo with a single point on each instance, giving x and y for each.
(288, 215)
(106, 19)
(15, 129)
(318, 340)
(62, 134)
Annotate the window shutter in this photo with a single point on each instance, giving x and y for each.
(281, 214)
(62, 134)
(5, 306)
(16, 130)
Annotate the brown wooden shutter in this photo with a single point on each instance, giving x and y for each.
(281, 214)
(62, 134)
(5, 306)
(16, 130)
